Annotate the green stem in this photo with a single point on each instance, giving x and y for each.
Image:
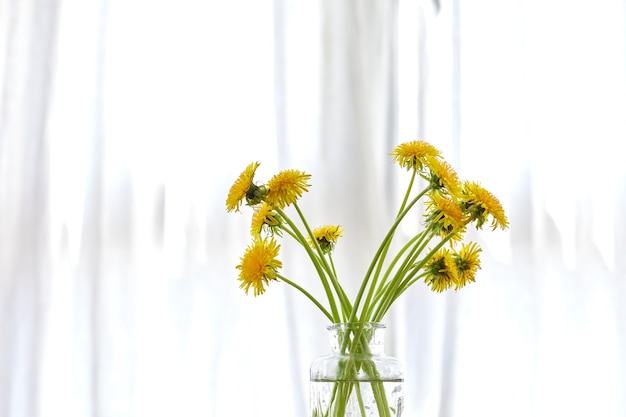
(358, 351)
(316, 263)
(308, 295)
(343, 298)
(379, 257)
(360, 398)
(408, 192)
(344, 312)
(384, 285)
(393, 296)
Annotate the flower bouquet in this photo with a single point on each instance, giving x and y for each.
(436, 254)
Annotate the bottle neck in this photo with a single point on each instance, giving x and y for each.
(357, 338)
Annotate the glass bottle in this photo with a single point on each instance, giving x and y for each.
(356, 379)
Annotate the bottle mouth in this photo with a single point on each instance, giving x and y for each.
(356, 325)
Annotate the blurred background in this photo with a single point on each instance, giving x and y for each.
(124, 123)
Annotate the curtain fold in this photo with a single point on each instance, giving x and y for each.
(124, 123)
(29, 32)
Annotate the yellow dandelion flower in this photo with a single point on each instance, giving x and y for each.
(481, 205)
(326, 237)
(413, 155)
(441, 273)
(265, 217)
(259, 265)
(467, 262)
(244, 189)
(445, 214)
(286, 187)
(443, 176)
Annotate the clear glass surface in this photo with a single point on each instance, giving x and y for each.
(356, 379)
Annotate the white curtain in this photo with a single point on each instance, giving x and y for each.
(124, 123)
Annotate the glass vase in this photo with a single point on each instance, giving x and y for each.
(356, 379)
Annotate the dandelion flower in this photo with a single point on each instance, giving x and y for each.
(438, 253)
(443, 176)
(481, 204)
(259, 265)
(441, 273)
(265, 217)
(445, 214)
(414, 155)
(286, 187)
(326, 237)
(467, 262)
(244, 189)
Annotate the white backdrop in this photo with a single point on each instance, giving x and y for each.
(124, 123)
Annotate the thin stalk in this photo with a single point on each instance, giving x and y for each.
(386, 244)
(316, 264)
(359, 347)
(329, 267)
(343, 298)
(360, 398)
(383, 256)
(412, 280)
(384, 285)
(408, 192)
(415, 252)
(297, 235)
(401, 288)
(379, 257)
(308, 295)
(344, 312)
